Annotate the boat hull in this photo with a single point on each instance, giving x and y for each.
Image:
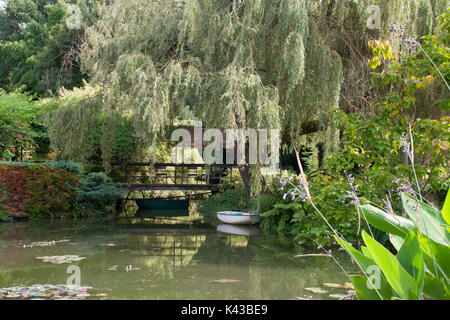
(231, 217)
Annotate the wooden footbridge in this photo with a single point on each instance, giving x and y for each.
(141, 176)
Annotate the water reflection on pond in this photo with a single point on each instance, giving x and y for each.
(133, 261)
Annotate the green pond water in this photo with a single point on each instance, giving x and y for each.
(132, 259)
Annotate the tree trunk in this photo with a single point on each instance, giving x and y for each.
(246, 176)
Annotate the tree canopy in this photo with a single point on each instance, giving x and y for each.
(240, 64)
(233, 64)
(37, 49)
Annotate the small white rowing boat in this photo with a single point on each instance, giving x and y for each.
(233, 217)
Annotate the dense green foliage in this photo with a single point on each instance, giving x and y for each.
(18, 13)
(300, 220)
(372, 145)
(37, 49)
(22, 131)
(236, 64)
(88, 131)
(221, 76)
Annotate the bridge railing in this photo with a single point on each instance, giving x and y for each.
(170, 173)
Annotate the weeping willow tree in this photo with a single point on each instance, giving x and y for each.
(229, 63)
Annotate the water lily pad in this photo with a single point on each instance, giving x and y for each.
(316, 290)
(348, 285)
(126, 268)
(100, 295)
(337, 296)
(131, 268)
(225, 281)
(61, 259)
(42, 243)
(46, 292)
(305, 297)
(333, 285)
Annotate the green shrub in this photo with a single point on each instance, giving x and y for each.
(65, 165)
(96, 192)
(265, 202)
(22, 130)
(69, 166)
(299, 219)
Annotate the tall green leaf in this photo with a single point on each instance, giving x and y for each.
(387, 222)
(384, 292)
(399, 279)
(396, 241)
(427, 219)
(362, 289)
(410, 257)
(437, 257)
(435, 288)
(446, 208)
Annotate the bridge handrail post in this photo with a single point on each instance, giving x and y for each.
(182, 174)
(175, 174)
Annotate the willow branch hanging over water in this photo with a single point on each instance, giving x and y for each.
(232, 64)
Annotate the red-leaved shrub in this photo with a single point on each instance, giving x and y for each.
(36, 190)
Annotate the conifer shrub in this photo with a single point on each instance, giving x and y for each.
(69, 166)
(96, 192)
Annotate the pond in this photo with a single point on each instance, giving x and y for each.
(122, 259)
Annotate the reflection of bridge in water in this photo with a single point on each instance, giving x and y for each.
(183, 248)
